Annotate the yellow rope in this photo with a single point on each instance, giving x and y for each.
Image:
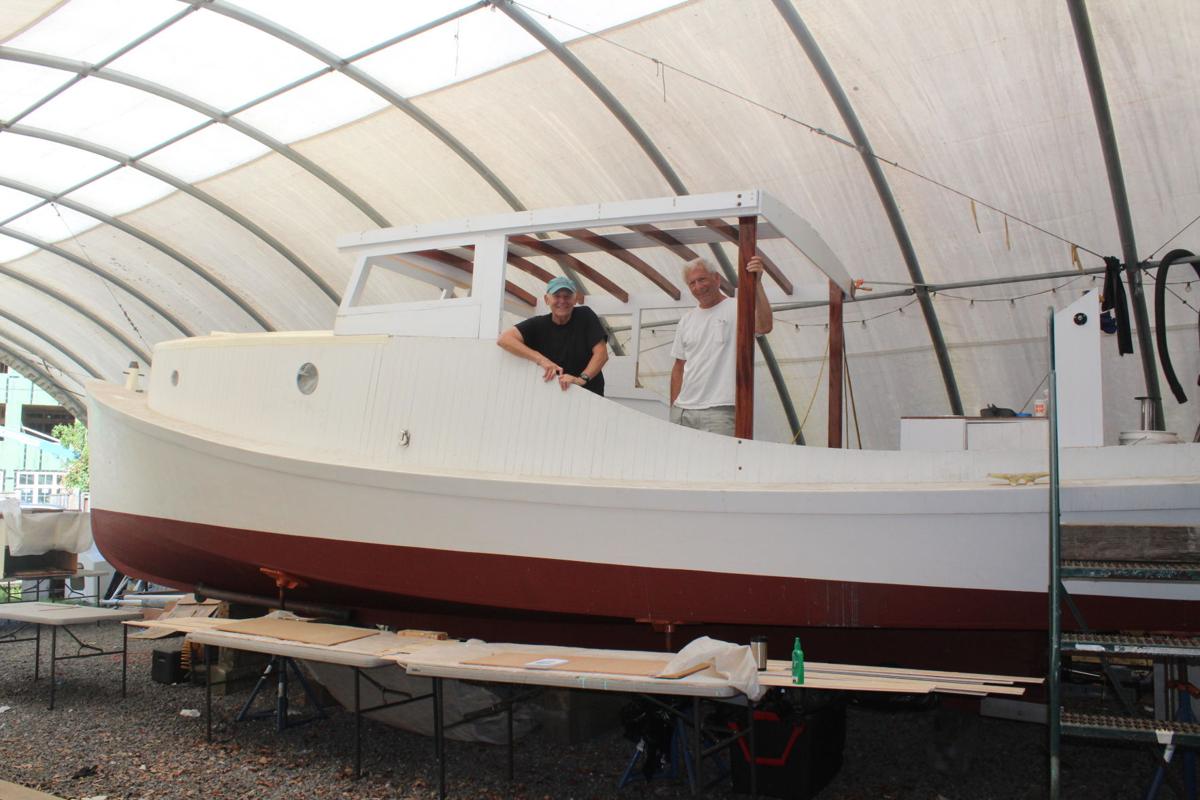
(816, 388)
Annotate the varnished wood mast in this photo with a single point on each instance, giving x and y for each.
(837, 350)
(743, 424)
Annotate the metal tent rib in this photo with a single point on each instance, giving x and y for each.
(53, 342)
(1120, 199)
(136, 162)
(87, 314)
(131, 290)
(215, 114)
(142, 236)
(834, 87)
(349, 70)
(42, 378)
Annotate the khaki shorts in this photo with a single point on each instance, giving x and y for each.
(718, 419)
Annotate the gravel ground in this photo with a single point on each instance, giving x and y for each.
(94, 745)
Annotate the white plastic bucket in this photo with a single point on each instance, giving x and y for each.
(1148, 437)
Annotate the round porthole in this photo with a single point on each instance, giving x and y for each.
(306, 378)
(174, 377)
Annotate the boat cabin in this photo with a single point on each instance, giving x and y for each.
(485, 266)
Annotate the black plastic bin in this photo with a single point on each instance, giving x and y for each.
(796, 757)
(166, 667)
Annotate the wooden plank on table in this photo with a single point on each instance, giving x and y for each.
(850, 671)
(292, 630)
(780, 666)
(644, 668)
(846, 683)
(416, 633)
(852, 683)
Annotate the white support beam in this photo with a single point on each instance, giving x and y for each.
(487, 286)
(659, 209)
(805, 238)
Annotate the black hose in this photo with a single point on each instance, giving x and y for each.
(1160, 318)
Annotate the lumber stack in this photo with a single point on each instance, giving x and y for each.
(862, 678)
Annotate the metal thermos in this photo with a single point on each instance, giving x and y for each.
(1147, 415)
(758, 647)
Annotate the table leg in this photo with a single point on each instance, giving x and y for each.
(357, 727)
(37, 651)
(753, 749)
(439, 736)
(510, 741)
(124, 657)
(53, 660)
(207, 693)
(698, 781)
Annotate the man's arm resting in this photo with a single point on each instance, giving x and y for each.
(512, 341)
(599, 358)
(676, 379)
(595, 364)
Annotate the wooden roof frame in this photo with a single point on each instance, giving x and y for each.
(476, 253)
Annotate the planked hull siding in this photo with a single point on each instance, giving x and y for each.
(511, 494)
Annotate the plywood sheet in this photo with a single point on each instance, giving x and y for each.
(645, 668)
(292, 630)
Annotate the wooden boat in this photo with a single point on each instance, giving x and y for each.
(404, 463)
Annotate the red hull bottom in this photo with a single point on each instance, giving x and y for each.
(568, 602)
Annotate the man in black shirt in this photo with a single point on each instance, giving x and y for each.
(569, 343)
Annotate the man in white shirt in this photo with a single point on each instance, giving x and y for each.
(702, 380)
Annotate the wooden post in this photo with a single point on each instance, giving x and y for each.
(743, 424)
(837, 354)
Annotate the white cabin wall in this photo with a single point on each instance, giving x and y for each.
(470, 408)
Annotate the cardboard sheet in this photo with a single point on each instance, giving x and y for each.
(646, 668)
(184, 608)
(292, 630)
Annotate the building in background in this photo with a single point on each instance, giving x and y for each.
(32, 463)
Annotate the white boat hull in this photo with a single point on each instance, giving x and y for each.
(513, 495)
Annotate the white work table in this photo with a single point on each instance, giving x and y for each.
(64, 615)
(375, 650)
(632, 672)
(449, 660)
(38, 578)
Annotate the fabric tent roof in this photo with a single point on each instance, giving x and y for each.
(172, 168)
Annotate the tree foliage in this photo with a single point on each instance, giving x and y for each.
(74, 436)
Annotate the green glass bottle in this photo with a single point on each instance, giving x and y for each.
(797, 662)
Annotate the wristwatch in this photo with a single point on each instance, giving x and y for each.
(584, 377)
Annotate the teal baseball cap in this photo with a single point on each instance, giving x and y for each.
(560, 283)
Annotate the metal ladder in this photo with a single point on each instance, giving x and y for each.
(1166, 733)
